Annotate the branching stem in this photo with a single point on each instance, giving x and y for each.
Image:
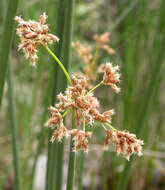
(59, 63)
(94, 88)
(65, 113)
(110, 126)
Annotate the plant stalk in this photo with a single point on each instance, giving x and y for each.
(72, 159)
(6, 42)
(13, 132)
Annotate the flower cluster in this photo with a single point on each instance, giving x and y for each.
(102, 41)
(89, 56)
(111, 77)
(80, 139)
(56, 120)
(126, 143)
(32, 34)
(85, 105)
(89, 63)
(76, 96)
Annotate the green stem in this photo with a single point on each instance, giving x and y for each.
(81, 164)
(6, 39)
(13, 133)
(81, 169)
(55, 150)
(42, 134)
(72, 159)
(59, 63)
(104, 171)
(64, 27)
(110, 126)
(151, 89)
(65, 113)
(94, 88)
(96, 55)
(84, 124)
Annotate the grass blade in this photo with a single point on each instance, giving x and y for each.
(56, 151)
(13, 132)
(151, 90)
(6, 42)
(81, 169)
(72, 159)
(65, 53)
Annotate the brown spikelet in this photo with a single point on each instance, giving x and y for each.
(126, 143)
(33, 33)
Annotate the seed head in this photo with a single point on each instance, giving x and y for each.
(126, 143)
(104, 117)
(33, 33)
(101, 42)
(111, 77)
(80, 139)
(89, 64)
(56, 118)
(59, 134)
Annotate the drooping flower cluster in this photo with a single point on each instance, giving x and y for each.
(126, 143)
(102, 42)
(56, 120)
(89, 63)
(76, 96)
(33, 33)
(85, 106)
(89, 56)
(80, 139)
(111, 76)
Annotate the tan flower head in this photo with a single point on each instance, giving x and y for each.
(56, 118)
(101, 42)
(59, 134)
(33, 33)
(111, 77)
(80, 139)
(104, 117)
(89, 64)
(126, 143)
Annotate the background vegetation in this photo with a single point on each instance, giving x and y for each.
(138, 36)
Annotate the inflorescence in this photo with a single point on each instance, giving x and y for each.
(77, 97)
(32, 34)
(90, 54)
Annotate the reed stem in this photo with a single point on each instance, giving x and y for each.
(59, 63)
(65, 53)
(72, 159)
(94, 88)
(6, 42)
(12, 121)
(81, 160)
(150, 91)
(81, 169)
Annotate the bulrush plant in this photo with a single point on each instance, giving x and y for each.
(77, 96)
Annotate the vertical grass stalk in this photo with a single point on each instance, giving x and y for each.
(72, 159)
(12, 124)
(56, 151)
(147, 102)
(6, 42)
(66, 55)
(42, 133)
(81, 160)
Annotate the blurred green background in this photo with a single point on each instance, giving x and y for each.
(137, 30)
